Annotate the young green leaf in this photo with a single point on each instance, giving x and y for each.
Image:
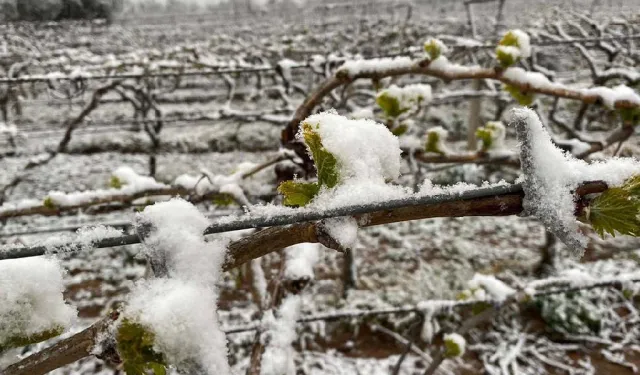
(454, 345)
(390, 105)
(135, 346)
(485, 136)
(298, 193)
(614, 211)
(223, 200)
(523, 98)
(400, 130)
(326, 163)
(433, 143)
(48, 203)
(433, 48)
(115, 182)
(505, 58)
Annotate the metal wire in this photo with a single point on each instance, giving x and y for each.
(249, 220)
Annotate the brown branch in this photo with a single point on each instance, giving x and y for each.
(64, 352)
(278, 238)
(127, 199)
(422, 68)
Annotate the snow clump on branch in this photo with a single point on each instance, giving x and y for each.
(551, 176)
(179, 306)
(32, 308)
(367, 157)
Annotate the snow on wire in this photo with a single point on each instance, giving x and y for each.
(289, 216)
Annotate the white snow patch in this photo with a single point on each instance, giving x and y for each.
(31, 299)
(550, 176)
(496, 288)
(344, 230)
(279, 353)
(301, 258)
(355, 67)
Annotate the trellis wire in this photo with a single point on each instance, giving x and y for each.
(6, 80)
(249, 221)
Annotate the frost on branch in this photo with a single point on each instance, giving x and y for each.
(355, 67)
(279, 353)
(124, 181)
(497, 289)
(514, 45)
(551, 176)
(354, 161)
(32, 308)
(208, 182)
(179, 306)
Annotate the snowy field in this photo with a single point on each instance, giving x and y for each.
(98, 122)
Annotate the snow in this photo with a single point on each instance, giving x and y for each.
(368, 157)
(301, 258)
(364, 149)
(31, 300)
(441, 135)
(409, 95)
(182, 315)
(438, 44)
(610, 96)
(344, 230)
(181, 307)
(285, 66)
(279, 353)
(362, 113)
(362, 66)
(176, 236)
(430, 326)
(550, 176)
(577, 146)
(133, 183)
(84, 238)
(217, 183)
(444, 66)
(458, 340)
(524, 43)
(259, 281)
(496, 288)
(9, 129)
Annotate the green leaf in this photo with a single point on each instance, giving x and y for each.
(523, 98)
(390, 105)
(400, 130)
(614, 211)
(298, 193)
(135, 346)
(504, 58)
(486, 137)
(115, 182)
(48, 203)
(432, 48)
(451, 348)
(632, 186)
(326, 163)
(630, 116)
(223, 200)
(509, 39)
(433, 139)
